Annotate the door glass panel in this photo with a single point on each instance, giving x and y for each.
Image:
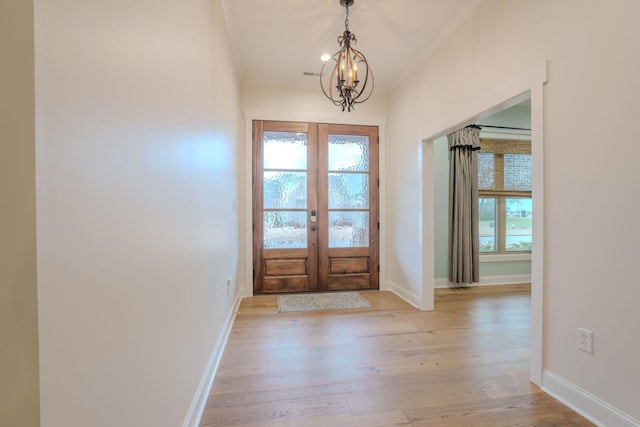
(285, 150)
(348, 229)
(348, 153)
(285, 229)
(285, 190)
(348, 190)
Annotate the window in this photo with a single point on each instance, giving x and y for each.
(504, 196)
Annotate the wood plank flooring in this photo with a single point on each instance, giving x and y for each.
(464, 364)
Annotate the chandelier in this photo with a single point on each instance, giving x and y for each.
(346, 78)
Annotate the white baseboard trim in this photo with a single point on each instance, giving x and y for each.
(589, 406)
(402, 293)
(200, 399)
(489, 281)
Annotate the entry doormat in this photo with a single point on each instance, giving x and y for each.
(327, 301)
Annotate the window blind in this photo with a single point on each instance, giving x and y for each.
(504, 167)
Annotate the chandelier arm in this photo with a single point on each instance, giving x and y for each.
(370, 93)
(368, 72)
(330, 94)
(332, 97)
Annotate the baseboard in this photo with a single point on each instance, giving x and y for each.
(402, 293)
(200, 399)
(589, 406)
(489, 281)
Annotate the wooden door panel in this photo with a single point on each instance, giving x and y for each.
(349, 265)
(278, 284)
(280, 217)
(349, 268)
(349, 282)
(287, 270)
(348, 259)
(286, 267)
(347, 272)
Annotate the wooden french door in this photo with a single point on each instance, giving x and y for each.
(315, 207)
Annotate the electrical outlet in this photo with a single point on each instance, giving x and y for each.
(585, 340)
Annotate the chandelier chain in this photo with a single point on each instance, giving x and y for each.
(346, 19)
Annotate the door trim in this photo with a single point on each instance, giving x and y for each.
(245, 263)
(529, 84)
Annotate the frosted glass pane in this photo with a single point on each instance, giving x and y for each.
(348, 153)
(285, 190)
(285, 150)
(285, 229)
(348, 229)
(348, 191)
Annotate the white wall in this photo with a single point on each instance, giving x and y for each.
(137, 119)
(294, 101)
(590, 151)
(18, 288)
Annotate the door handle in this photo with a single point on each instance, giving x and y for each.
(314, 216)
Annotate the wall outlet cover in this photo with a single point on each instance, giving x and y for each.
(585, 340)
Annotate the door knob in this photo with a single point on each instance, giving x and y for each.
(314, 216)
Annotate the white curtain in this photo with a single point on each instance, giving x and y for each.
(464, 241)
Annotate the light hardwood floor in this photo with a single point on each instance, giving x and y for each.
(464, 364)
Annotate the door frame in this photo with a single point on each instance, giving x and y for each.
(527, 85)
(246, 262)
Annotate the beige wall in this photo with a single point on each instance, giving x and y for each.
(137, 129)
(590, 172)
(18, 300)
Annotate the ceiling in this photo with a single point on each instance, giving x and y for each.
(275, 41)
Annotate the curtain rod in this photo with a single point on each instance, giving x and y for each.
(500, 127)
